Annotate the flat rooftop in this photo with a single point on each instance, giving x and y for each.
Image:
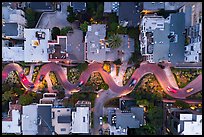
(12, 54)
(80, 120)
(29, 120)
(10, 29)
(36, 50)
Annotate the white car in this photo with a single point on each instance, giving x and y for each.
(101, 120)
(132, 83)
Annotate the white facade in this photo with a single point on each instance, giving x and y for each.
(191, 126)
(110, 7)
(12, 54)
(192, 52)
(81, 120)
(115, 131)
(13, 15)
(149, 24)
(29, 120)
(12, 126)
(39, 52)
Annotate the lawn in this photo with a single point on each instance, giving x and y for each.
(185, 76)
(128, 74)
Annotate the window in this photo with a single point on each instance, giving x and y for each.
(58, 110)
(67, 109)
(83, 119)
(63, 129)
(192, 48)
(195, 57)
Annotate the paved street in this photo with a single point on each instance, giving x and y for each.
(55, 19)
(163, 76)
(144, 68)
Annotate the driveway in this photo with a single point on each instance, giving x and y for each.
(55, 19)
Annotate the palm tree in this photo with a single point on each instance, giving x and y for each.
(114, 41)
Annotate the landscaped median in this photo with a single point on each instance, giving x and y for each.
(185, 76)
(96, 81)
(128, 74)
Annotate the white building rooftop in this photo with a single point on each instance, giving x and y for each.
(12, 126)
(36, 49)
(80, 120)
(191, 126)
(12, 53)
(29, 120)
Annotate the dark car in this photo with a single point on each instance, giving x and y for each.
(161, 66)
(31, 86)
(41, 77)
(100, 132)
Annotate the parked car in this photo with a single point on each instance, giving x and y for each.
(132, 83)
(101, 120)
(100, 131)
(31, 85)
(80, 83)
(171, 89)
(189, 90)
(58, 7)
(41, 77)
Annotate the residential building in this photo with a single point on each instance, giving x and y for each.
(41, 6)
(61, 51)
(12, 123)
(78, 6)
(125, 103)
(10, 15)
(30, 120)
(96, 47)
(162, 39)
(48, 98)
(173, 6)
(61, 120)
(37, 120)
(81, 118)
(152, 6)
(36, 45)
(129, 14)
(110, 7)
(184, 122)
(13, 30)
(193, 25)
(119, 121)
